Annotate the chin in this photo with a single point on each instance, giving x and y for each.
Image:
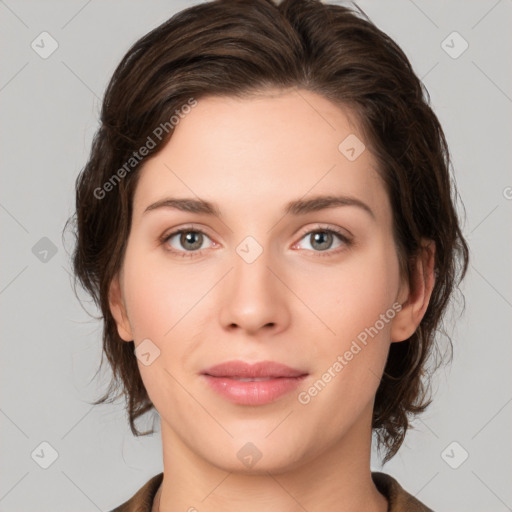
(257, 457)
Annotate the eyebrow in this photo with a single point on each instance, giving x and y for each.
(297, 207)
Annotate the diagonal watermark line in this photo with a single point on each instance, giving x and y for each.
(433, 67)
(67, 271)
(213, 490)
(306, 193)
(301, 300)
(14, 218)
(280, 423)
(491, 9)
(492, 81)
(373, 373)
(416, 494)
(286, 491)
(128, 465)
(14, 14)
(490, 490)
(424, 14)
(81, 491)
(13, 77)
(13, 423)
(510, 400)
(493, 287)
(199, 403)
(492, 211)
(14, 485)
(13, 279)
(419, 419)
(200, 299)
(296, 90)
(73, 17)
(165, 165)
(81, 80)
(88, 412)
(358, 8)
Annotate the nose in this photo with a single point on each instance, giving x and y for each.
(254, 299)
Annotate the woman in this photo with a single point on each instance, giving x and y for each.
(267, 223)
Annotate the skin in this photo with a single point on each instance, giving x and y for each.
(295, 304)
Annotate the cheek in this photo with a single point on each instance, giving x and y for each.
(157, 299)
(363, 319)
(158, 294)
(357, 304)
(351, 296)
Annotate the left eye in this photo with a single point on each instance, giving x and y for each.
(322, 239)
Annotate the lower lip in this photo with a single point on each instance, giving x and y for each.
(253, 393)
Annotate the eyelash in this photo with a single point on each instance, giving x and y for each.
(348, 242)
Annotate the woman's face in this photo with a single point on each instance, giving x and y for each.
(314, 286)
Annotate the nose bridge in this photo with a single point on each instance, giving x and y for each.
(251, 277)
(253, 298)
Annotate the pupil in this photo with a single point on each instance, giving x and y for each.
(188, 238)
(321, 237)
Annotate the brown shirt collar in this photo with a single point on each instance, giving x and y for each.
(399, 500)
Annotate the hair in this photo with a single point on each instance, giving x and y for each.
(238, 48)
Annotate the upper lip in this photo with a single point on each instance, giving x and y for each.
(242, 369)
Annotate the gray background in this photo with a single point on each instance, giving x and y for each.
(51, 347)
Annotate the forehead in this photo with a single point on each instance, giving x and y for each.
(262, 150)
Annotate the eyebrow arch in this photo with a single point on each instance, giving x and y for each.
(297, 207)
(317, 203)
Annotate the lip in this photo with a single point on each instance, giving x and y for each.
(277, 380)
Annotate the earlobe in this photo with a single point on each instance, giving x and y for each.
(118, 310)
(419, 291)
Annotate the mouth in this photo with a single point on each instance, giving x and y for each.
(254, 379)
(253, 384)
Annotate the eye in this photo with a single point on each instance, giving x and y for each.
(322, 239)
(190, 242)
(186, 240)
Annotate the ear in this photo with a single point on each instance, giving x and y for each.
(415, 294)
(118, 310)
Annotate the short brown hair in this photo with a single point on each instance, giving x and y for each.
(240, 47)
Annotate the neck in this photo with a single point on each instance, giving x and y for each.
(338, 478)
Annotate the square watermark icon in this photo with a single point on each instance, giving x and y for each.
(44, 455)
(454, 455)
(44, 249)
(249, 455)
(351, 147)
(249, 249)
(146, 352)
(454, 45)
(44, 45)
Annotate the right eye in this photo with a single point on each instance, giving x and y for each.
(185, 242)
